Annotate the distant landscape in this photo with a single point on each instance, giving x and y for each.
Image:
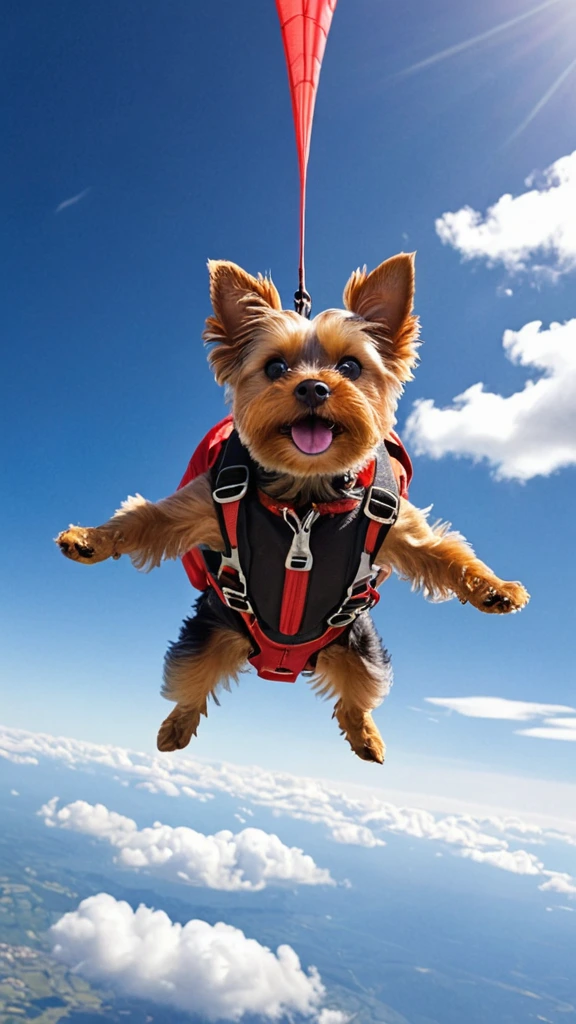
(405, 933)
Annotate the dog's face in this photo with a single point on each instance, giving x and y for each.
(313, 398)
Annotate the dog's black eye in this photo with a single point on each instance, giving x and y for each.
(349, 368)
(275, 369)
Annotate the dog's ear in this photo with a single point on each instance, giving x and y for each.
(240, 302)
(385, 298)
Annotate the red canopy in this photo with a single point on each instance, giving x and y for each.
(305, 25)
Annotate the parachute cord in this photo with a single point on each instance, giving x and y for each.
(302, 299)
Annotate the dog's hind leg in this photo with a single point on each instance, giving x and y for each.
(208, 654)
(357, 672)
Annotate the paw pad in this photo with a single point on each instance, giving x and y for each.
(84, 551)
(495, 599)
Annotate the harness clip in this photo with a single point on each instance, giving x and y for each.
(349, 611)
(382, 506)
(231, 484)
(237, 601)
(235, 597)
(299, 557)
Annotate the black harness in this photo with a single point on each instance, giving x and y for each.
(297, 577)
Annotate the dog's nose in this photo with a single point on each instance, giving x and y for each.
(312, 392)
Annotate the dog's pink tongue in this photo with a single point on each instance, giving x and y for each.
(311, 436)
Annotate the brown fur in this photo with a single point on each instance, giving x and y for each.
(247, 329)
(439, 562)
(345, 674)
(190, 681)
(149, 532)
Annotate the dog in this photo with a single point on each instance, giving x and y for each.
(311, 400)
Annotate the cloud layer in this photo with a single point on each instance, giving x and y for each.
(213, 971)
(299, 798)
(248, 861)
(529, 433)
(537, 224)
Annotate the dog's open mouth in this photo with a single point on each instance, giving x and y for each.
(312, 435)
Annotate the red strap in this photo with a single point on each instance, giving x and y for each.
(208, 450)
(282, 661)
(372, 534)
(366, 476)
(202, 460)
(401, 462)
(325, 508)
(293, 601)
(230, 510)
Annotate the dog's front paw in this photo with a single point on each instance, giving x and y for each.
(86, 544)
(495, 596)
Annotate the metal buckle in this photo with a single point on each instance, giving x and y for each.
(341, 618)
(382, 506)
(350, 608)
(236, 600)
(348, 612)
(231, 484)
(300, 563)
(299, 557)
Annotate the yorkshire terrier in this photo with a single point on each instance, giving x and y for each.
(361, 356)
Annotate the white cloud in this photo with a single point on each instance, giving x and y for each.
(213, 971)
(529, 433)
(355, 835)
(537, 224)
(332, 1017)
(499, 707)
(553, 729)
(72, 200)
(558, 881)
(563, 729)
(160, 786)
(15, 758)
(455, 830)
(249, 860)
(519, 862)
(90, 819)
(564, 735)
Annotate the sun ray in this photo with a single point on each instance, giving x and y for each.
(544, 100)
(451, 51)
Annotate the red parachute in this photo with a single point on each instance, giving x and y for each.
(305, 25)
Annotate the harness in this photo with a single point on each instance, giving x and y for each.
(297, 578)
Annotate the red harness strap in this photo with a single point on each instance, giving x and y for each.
(286, 662)
(293, 601)
(230, 512)
(372, 535)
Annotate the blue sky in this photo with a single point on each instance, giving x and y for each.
(173, 125)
